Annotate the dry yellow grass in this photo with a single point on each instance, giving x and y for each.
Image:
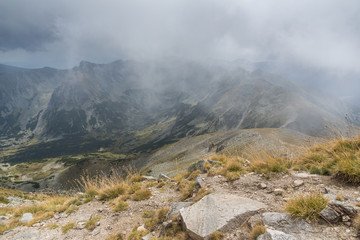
(40, 211)
(306, 206)
(257, 231)
(202, 192)
(67, 227)
(339, 157)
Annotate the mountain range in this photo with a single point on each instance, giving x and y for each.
(133, 106)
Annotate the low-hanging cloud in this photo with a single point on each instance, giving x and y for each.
(318, 36)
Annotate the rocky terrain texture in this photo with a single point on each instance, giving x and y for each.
(233, 208)
(315, 195)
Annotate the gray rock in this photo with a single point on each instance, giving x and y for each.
(346, 218)
(271, 234)
(329, 191)
(4, 219)
(80, 225)
(305, 175)
(217, 212)
(199, 183)
(175, 209)
(150, 178)
(298, 183)
(330, 215)
(279, 191)
(262, 185)
(26, 217)
(163, 176)
(285, 223)
(164, 226)
(141, 228)
(342, 208)
(200, 165)
(149, 236)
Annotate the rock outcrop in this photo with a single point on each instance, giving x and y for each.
(217, 212)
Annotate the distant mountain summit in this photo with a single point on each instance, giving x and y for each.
(6, 68)
(142, 103)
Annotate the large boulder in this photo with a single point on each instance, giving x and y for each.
(217, 212)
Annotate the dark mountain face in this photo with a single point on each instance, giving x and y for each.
(154, 102)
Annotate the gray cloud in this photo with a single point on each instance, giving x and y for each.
(25, 27)
(317, 40)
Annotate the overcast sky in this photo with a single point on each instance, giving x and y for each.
(319, 37)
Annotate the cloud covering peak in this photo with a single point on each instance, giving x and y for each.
(322, 35)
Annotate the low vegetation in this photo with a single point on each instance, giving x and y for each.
(40, 210)
(201, 193)
(118, 236)
(141, 194)
(306, 206)
(257, 230)
(91, 223)
(217, 236)
(4, 200)
(340, 158)
(121, 206)
(67, 227)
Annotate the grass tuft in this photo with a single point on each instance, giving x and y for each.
(306, 206)
(339, 157)
(121, 206)
(52, 226)
(216, 236)
(201, 193)
(91, 223)
(4, 200)
(161, 215)
(257, 231)
(148, 213)
(67, 227)
(71, 209)
(118, 236)
(113, 191)
(141, 194)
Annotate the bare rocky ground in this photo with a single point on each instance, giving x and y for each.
(273, 192)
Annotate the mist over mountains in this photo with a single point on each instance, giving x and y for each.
(153, 103)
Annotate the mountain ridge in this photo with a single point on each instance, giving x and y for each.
(121, 99)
